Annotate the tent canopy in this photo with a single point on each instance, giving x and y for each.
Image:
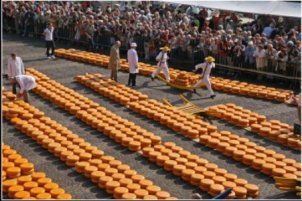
(279, 8)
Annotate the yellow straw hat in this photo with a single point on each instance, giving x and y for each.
(210, 59)
(165, 49)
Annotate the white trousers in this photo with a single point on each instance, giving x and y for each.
(207, 83)
(164, 69)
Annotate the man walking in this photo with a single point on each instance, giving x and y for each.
(205, 75)
(133, 64)
(162, 65)
(114, 61)
(48, 33)
(15, 67)
(26, 83)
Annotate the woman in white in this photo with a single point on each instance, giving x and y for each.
(261, 58)
(133, 64)
(26, 84)
(205, 75)
(162, 64)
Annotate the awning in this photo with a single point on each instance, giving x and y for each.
(278, 8)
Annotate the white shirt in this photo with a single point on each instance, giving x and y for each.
(206, 69)
(15, 67)
(260, 53)
(26, 82)
(162, 59)
(132, 60)
(48, 34)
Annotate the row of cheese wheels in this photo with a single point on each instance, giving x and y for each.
(20, 181)
(153, 144)
(121, 130)
(252, 90)
(111, 89)
(208, 136)
(235, 114)
(278, 132)
(198, 171)
(218, 83)
(107, 172)
(189, 125)
(258, 157)
(275, 130)
(7, 96)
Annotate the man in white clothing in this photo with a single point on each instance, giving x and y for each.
(15, 67)
(162, 65)
(205, 75)
(48, 33)
(26, 83)
(133, 64)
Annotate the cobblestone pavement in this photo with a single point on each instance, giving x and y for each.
(33, 54)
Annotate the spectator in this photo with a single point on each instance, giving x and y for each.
(15, 67)
(114, 61)
(271, 53)
(249, 55)
(293, 59)
(238, 53)
(48, 33)
(260, 55)
(282, 58)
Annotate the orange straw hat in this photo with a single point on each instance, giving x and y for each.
(210, 59)
(165, 49)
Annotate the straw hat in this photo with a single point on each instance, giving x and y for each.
(133, 45)
(165, 49)
(210, 59)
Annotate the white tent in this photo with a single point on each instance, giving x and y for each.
(279, 8)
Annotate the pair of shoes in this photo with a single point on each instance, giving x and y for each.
(213, 96)
(152, 78)
(194, 91)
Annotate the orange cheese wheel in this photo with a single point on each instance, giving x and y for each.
(125, 181)
(129, 196)
(133, 187)
(48, 187)
(38, 175)
(29, 185)
(22, 195)
(43, 181)
(43, 196)
(162, 195)
(37, 190)
(13, 172)
(153, 189)
(140, 193)
(7, 184)
(14, 189)
(119, 191)
(56, 192)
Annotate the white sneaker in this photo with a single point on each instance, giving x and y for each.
(53, 57)
(49, 57)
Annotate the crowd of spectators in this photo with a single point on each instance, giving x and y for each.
(266, 43)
